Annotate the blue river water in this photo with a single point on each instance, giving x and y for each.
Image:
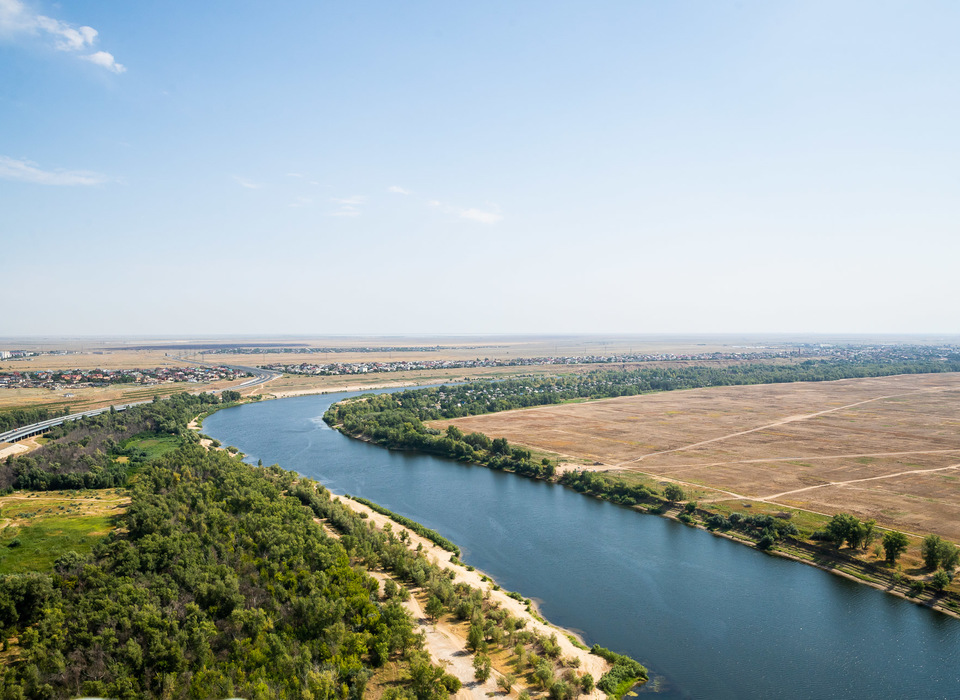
(711, 619)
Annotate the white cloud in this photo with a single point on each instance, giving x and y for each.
(484, 217)
(244, 182)
(345, 211)
(25, 171)
(66, 38)
(301, 202)
(16, 18)
(397, 190)
(351, 201)
(104, 59)
(349, 206)
(433, 203)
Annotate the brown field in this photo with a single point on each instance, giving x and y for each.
(885, 448)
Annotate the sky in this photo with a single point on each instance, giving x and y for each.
(470, 168)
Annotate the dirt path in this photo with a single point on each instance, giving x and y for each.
(447, 649)
(783, 421)
(7, 449)
(909, 472)
(676, 469)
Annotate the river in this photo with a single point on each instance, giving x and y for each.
(710, 618)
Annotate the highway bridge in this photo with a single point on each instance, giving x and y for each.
(260, 376)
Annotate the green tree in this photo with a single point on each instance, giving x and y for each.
(844, 527)
(475, 639)
(434, 608)
(940, 580)
(481, 667)
(894, 544)
(505, 683)
(949, 556)
(930, 551)
(587, 683)
(868, 533)
(674, 493)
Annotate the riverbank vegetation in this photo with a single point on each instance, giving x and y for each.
(426, 532)
(497, 638)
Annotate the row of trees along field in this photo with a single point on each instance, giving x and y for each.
(101, 451)
(477, 398)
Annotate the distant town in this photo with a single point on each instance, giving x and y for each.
(58, 379)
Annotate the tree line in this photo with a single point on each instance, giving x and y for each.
(18, 417)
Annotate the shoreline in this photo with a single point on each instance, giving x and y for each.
(445, 643)
(891, 589)
(589, 663)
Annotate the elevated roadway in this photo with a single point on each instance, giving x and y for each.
(260, 376)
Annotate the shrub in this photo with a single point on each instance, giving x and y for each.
(674, 493)
(940, 580)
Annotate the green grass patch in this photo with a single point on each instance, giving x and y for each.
(153, 444)
(43, 541)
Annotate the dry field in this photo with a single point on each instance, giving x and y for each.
(885, 448)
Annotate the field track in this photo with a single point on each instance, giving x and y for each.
(885, 448)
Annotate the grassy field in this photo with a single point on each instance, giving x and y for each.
(36, 527)
(885, 448)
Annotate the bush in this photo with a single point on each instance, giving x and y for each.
(674, 493)
(718, 522)
(766, 542)
(940, 580)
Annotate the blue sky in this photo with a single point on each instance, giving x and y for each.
(497, 167)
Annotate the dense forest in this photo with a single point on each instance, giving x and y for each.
(216, 585)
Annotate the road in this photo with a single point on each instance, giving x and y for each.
(260, 376)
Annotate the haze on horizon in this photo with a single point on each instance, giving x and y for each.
(436, 168)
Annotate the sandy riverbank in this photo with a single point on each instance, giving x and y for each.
(447, 643)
